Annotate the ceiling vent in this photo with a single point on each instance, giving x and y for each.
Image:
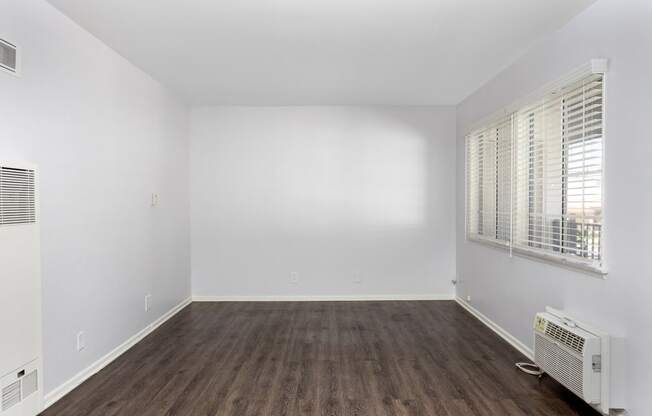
(8, 57)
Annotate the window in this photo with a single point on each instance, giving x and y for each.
(489, 168)
(534, 176)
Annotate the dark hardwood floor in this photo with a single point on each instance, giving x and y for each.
(320, 358)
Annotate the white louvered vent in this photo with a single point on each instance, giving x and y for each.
(29, 384)
(10, 395)
(8, 57)
(565, 337)
(561, 365)
(18, 392)
(17, 196)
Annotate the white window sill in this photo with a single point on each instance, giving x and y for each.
(537, 255)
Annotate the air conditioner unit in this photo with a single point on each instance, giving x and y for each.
(577, 356)
(21, 375)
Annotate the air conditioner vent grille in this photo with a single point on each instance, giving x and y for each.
(17, 196)
(566, 337)
(560, 364)
(10, 395)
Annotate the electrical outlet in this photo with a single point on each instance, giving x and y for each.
(294, 278)
(468, 298)
(154, 200)
(81, 341)
(148, 302)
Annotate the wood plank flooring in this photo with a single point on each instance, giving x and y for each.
(426, 358)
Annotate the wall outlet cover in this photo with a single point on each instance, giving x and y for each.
(81, 341)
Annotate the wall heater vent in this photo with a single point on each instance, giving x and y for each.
(10, 395)
(19, 389)
(21, 374)
(8, 57)
(17, 196)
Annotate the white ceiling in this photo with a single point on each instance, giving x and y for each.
(285, 52)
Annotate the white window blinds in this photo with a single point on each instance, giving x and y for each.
(534, 176)
(489, 171)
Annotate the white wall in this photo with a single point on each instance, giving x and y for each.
(335, 194)
(510, 291)
(105, 136)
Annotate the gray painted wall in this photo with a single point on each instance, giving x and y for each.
(510, 290)
(105, 136)
(336, 194)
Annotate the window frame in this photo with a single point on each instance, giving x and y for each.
(558, 258)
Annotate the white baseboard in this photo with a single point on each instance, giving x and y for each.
(512, 340)
(65, 388)
(327, 298)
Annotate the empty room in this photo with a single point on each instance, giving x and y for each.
(325, 207)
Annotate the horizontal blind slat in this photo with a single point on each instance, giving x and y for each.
(17, 196)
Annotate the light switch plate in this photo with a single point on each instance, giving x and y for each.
(81, 341)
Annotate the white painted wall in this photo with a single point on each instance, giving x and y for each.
(335, 194)
(510, 291)
(105, 136)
